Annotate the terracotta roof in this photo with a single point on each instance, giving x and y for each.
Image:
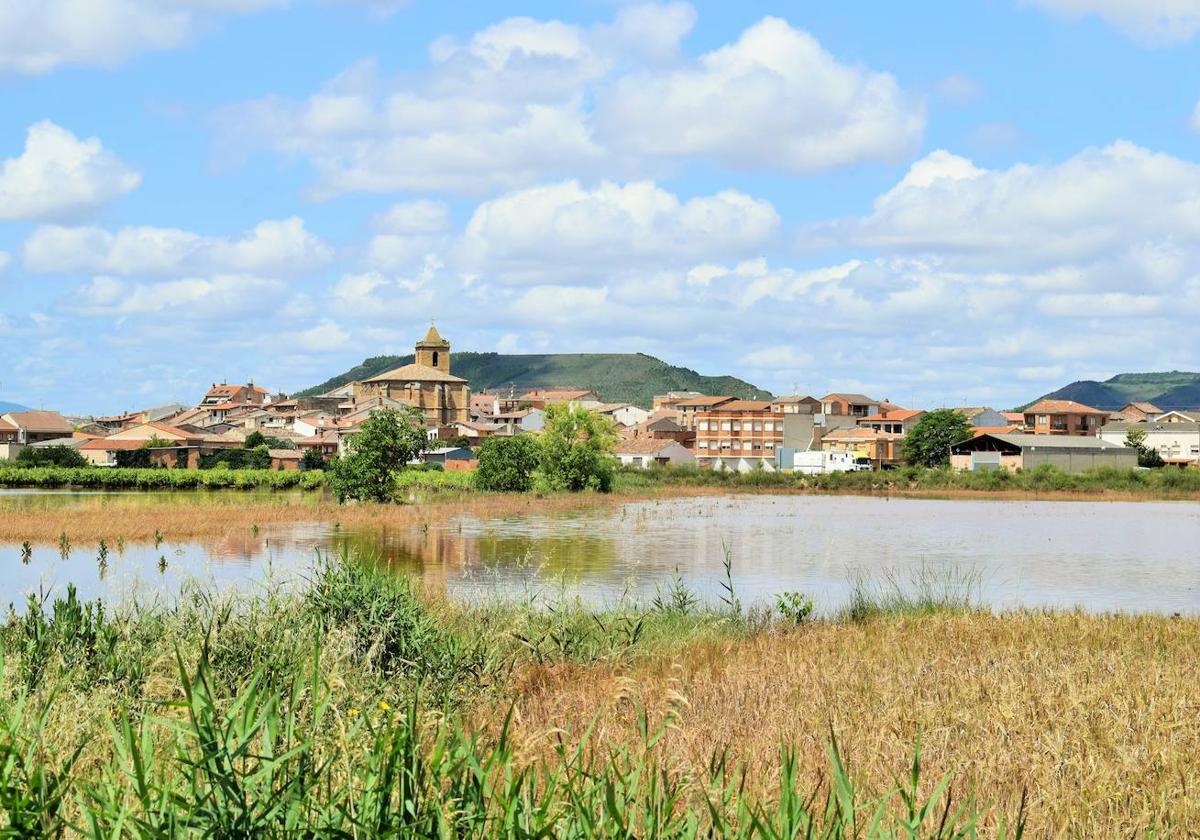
(40, 421)
(794, 399)
(1062, 407)
(643, 445)
(1013, 416)
(558, 394)
(702, 401)
(415, 373)
(850, 398)
(6, 426)
(896, 415)
(284, 454)
(113, 444)
(744, 405)
(1148, 407)
(861, 433)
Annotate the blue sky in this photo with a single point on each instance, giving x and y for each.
(935, 203)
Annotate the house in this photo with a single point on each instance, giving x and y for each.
(1136, 412)
(285, 459)
(882, 449)
(325, 442)
(662, 424)
(34, 426)
(671, 399)
(515, 422)
(649, 452)
(985, 417)
(475, 432)
(1177, 442)
(8, 431)
(849, 405)
(796, 404)
(897, 421)
(1178, 417)
(623, 414)
(689, 408)
(452, 458)
(738, 434)
(248, 394)
(1063, 417)
(1023, 451)
(427, 383)
(484, 405)
(183, 447)
(571, 396)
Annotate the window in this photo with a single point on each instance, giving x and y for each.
(725, 426)
(770, 444)
(737, 444)
(758, 427)
(724, 444)
(703, 426)
(770, 427)
(702, 444)
(757, 446)
(435, 358)
(637, 461)
(737, 427)
(1043, 419)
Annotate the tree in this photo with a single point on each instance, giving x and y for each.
(50, 456)
(254, 440)
(1147, 457)
(928, 443)
(312, 459)
(577, 449)
(384, 443)
(507, 463)
(460, 441)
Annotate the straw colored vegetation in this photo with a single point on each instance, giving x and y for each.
(1095, 717)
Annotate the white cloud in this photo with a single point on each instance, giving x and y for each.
(37, 36)
(1195, 122)
(1101, 203)
(192, 298)
(58, 176)
(322, 337)
(421, 216)
(567, 229)
(525, 100)
(1149, 21)
(283, 247)
(773, 98)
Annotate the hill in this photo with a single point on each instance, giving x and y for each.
(1168, 390)
(6, 407)
(616, 377)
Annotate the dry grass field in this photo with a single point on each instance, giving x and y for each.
(1096, 718)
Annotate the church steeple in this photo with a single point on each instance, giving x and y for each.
(434, 351)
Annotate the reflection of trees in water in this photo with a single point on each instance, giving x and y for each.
(435, 553)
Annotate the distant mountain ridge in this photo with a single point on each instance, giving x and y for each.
(616, 377)
(1170, 390)
(6, 407)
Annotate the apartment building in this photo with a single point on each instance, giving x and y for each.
(691, 408)
(1063, 417)
(740, 435)
(850, 405)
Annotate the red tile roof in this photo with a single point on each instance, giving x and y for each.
(1062, 407)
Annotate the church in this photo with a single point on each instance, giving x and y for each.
(427, 383)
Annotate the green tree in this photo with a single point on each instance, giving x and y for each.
(508, 463)
(577, 449)
(312, 459)
(254, 440)
(1147, 457)
(461, 441)
(928, 442)
(50, 456)
(383, 444)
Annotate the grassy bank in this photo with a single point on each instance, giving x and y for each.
(1166, 483)
(130, 478)
(361, 706)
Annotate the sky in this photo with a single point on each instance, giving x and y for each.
(939, 203)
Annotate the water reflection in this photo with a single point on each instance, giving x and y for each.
(1099, 555)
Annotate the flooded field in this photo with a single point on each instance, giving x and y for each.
(1134, 556)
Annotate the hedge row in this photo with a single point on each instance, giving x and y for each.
(116, 478)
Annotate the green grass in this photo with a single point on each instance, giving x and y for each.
(1160, 483)
(158, 479)
(336, 710)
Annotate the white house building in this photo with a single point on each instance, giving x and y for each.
(1177, 441)
(647, 452)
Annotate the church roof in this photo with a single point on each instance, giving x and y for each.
(415, 373)
(433, 337)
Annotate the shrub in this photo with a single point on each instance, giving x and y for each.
(51, 456)
(507, 464)
(928, 443)
(577, 449)
(312, 459)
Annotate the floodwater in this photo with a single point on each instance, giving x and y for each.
(1130, 556)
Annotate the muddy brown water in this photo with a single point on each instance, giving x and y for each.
(1101, 556)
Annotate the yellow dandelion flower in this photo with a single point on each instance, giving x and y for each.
(383, 705)
(353, 713)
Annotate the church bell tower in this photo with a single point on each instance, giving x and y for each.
(434, 351)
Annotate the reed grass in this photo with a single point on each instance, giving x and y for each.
(134, 478)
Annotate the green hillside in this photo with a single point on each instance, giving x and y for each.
(616, 377)
(1169, 390)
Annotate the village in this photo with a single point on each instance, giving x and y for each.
(792, 433)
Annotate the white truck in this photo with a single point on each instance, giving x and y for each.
(815, 462)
